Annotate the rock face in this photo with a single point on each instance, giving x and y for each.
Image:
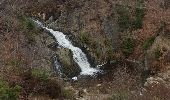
(69, 67)
(90, 25)
(93, 24)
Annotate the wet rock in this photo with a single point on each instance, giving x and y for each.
(69, 67)
(76, 18)
(53, 46)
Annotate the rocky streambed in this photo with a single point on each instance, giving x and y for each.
(71, 54)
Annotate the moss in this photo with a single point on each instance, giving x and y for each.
(30, 25)
(128, 46)
(148, 43)
(27, 24)
(41, 74)
(30, 29)
(85, 38)
(7, 92)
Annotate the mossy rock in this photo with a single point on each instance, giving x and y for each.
(69, 67)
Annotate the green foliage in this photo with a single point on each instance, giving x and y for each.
(9, 93)
(128, 46)
(139, 14)
(68, 94)
(124, 18)
(30, 29)
(148, 43)
(85, 38)
(41, 74)
(30, 25)
(27, 24)
(158, 53)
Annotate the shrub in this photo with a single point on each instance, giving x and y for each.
(30, 29)
(27, 24)
(158, 53)
(138, 22)
(41, 74)
(124, 18)
(148, 43)
(85, 38)
(30, 25)
(68, 94)
(128, 46)
(9, 93)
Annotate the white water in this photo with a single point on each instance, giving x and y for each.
(78, 56)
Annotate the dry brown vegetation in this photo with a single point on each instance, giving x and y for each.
(21, 50)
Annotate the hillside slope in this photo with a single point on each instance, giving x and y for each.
(131, 37)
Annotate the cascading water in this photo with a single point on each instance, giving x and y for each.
(78, 56)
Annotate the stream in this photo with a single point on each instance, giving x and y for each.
(78, 56)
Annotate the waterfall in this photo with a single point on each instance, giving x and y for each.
(78, 56)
